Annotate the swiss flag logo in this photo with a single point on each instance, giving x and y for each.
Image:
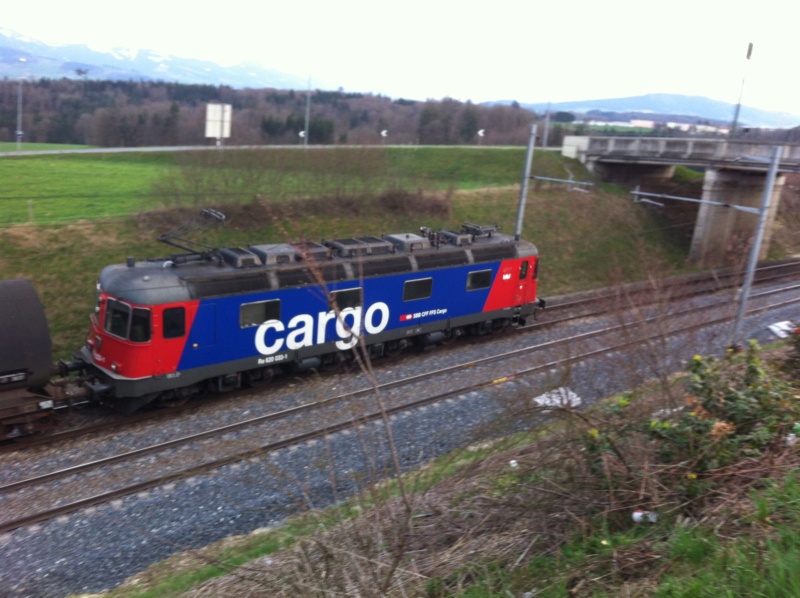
(406, 317)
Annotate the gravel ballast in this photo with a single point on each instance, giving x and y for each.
(95, 550)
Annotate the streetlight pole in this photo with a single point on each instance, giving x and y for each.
(308, 113)
(19, 116)
(741, 92)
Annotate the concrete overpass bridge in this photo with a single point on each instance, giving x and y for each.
(735, 174)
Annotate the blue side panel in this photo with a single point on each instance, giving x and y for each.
(216, 335)
(204, 330)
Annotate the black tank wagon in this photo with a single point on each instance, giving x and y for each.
(26, 363)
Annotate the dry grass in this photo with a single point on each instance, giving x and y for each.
(511, 503)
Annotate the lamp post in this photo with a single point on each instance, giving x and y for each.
(19, 116)
(19, 110)
(741, 91)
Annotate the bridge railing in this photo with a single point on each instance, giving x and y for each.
(690, 150)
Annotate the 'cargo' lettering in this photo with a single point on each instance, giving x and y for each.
(302, 331)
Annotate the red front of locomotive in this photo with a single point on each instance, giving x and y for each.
(134, 341)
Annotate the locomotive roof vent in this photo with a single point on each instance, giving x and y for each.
(408, 242)
(310, 252)
(239, 257)
(376, 246)
(355, 247)
(454, 238)
(286, 253)
(478, 230)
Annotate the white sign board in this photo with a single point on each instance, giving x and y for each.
(218, 121)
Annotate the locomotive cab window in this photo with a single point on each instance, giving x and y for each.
(118, 318)
(482, 279)
(422, 288)
(523, 270)
(127, 323)
(255, 314)
(174, 322)
(140, 325)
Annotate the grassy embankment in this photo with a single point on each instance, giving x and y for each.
(63, 218)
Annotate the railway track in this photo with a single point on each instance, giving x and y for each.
(561, 310)
(102, 480)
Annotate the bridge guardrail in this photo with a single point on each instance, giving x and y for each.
(697, 151)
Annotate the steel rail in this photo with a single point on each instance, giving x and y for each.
(361, 420)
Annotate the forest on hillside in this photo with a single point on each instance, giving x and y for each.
(138, 114)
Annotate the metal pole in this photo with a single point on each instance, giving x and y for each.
(19, 117)
(735, 123)
(523, 193)
(308, 113)
(756, 248)
(546, 126)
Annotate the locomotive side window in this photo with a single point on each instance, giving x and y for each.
(523, 270)
(345, 299)
(118, 316)
(140, 325)
(255, 314)
(174, 322)
(422, 288)
(482, 279)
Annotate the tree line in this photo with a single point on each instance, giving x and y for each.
(136, 114)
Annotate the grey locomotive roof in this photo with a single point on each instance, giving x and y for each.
(266, 267)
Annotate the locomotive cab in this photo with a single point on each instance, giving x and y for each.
(121, 335)
(136, 341)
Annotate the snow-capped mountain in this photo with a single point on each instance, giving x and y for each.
(25, 57)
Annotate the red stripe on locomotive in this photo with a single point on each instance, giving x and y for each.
(513, 285)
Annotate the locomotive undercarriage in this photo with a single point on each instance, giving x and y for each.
(331, 360)
(27, 412)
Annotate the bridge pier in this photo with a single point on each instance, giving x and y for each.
(735, 174)
(722, 235)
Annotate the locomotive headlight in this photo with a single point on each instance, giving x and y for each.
(46, 404)
(115, 367)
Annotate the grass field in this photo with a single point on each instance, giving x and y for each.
(49, 189)
(11, 146)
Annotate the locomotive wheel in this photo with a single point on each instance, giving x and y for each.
(333, 362)
(171, 399)
(7, 432)
(454, 335)
(393, 348)
(259, 377)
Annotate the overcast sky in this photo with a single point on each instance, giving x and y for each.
(525, 50)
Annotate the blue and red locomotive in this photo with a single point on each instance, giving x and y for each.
(169, 328)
